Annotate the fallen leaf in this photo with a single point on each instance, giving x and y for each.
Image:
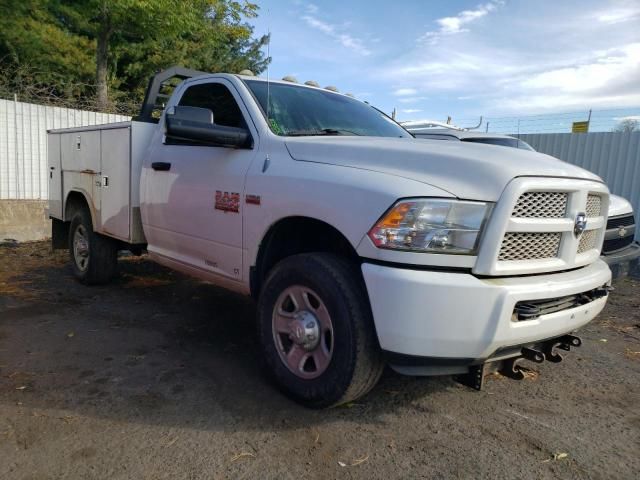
(357, 461)
(603, 340)
(172, 442)
(631, 354)
(71, 335)
(560, 456)
(23, 387)
(360, 460)
(242, 454)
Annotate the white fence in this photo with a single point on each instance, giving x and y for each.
(613, 156)
(23, 144)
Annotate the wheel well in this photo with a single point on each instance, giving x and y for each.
(60, 228)
(294, 235)
(75, 201)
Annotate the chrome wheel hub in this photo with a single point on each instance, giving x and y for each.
(81, 248)
(305, 330)
(302, 332)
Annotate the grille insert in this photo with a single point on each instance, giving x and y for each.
(620, 222)
(593, 205)
(587, 241)
(532, 309)
(541, 205)
(529, 246)
(616, 244)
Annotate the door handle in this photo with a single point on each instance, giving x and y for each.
(161, 166)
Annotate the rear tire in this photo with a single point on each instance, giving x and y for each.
(94, 257)
(346, 362)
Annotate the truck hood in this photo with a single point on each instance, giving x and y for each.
(470, 171)
(619, 206)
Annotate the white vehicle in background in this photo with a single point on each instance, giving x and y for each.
(362, 245)
(619, 246)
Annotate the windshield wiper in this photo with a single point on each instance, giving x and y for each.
(318, 133)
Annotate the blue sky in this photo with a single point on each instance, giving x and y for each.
(431, 59)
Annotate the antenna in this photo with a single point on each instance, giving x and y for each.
(267, 160)
(268, 77)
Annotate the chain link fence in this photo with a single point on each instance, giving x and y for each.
(604, 120)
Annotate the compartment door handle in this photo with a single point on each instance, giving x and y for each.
(161, 166)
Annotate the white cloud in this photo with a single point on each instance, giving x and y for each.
(336, 32)
(411, 99)
(630, 117)
(455, 24)
(403, 92)
(526, 64)
(411, 110)
(312, 8)
(600, 72)
(622, 13)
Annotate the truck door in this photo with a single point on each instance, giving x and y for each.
(192, 195)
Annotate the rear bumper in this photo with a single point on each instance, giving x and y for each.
(459, 318)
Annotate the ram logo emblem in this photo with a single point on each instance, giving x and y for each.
(580, 224)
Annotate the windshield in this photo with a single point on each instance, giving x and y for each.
(303, 111)
(504, 142)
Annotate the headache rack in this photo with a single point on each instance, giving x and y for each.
(160, 88)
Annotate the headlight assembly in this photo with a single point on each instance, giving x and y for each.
(432, 225)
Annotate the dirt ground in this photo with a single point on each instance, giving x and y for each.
(158, 376)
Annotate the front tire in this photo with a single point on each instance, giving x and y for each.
(94, 258)
(317, 332)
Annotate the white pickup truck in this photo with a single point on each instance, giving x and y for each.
(362, 245)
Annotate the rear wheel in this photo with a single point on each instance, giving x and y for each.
(317, 332)
(94, 257)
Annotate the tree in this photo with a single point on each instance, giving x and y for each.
(111, 47)
(627, 125)
(39, 54)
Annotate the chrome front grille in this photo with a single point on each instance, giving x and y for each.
(593, 205)
(541, 223)
(541, 205)
(538, 226)
(529, 245)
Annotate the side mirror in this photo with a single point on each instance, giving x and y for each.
(196, 125)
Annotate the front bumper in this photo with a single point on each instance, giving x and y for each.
(625, 255)
(454, 318)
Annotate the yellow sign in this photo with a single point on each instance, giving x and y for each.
(580, 127)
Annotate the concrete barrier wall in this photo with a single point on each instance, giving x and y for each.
(23, 220)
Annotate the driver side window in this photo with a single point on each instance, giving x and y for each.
(217, 98)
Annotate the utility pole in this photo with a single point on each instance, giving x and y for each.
(487, 130)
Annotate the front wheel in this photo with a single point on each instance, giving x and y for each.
(94, 258)
(317, 332)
